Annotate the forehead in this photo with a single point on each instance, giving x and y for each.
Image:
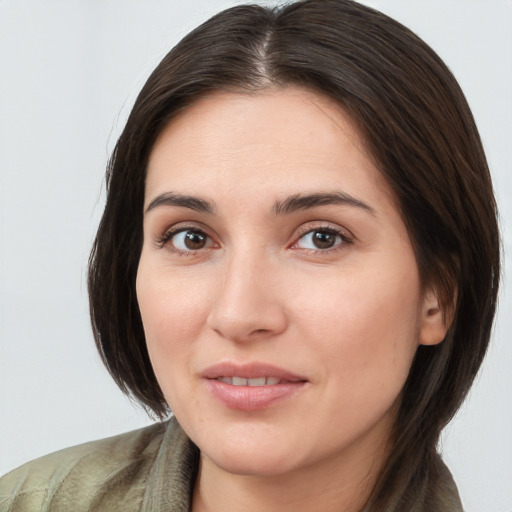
(274, 140)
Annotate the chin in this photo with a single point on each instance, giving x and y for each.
(249, 455)
(250, 464)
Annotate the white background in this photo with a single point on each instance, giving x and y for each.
(69, 71)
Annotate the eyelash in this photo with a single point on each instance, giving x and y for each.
(338, 232)
(168, 235)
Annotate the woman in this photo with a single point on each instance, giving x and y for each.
(298, 257)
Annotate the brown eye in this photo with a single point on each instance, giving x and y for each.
(320, 239)
(195, 240)
(323, 240)
(190, 240)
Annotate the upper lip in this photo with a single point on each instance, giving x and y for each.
(250, 371)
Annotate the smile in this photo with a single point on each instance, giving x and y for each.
(257, 381)
(251, 387)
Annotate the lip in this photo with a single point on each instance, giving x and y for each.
(250, 371)
(251, 398)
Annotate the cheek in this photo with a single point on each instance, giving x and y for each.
(170, 302)
(173, 312)
(363, 340)
(365, 329)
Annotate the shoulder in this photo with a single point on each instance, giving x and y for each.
(81, 474)
(443, 494)
(440, 492)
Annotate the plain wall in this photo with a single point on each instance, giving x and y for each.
(69, 72)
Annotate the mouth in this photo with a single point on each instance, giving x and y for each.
(250, 374)
(251, 387)
(257, 381)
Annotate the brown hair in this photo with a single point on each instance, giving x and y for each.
(422, 136)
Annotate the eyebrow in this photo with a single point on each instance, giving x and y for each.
(287, 206)
(304, 202)
(191, 202)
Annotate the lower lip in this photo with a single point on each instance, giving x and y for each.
(252, 398)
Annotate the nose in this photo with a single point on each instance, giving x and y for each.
(249, 303)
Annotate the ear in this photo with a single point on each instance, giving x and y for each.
(434, 321)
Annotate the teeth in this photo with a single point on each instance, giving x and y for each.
(258, 381)
(261, 381)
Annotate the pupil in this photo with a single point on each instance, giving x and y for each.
(323, 240)
(194, 240)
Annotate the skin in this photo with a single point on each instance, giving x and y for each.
(347, 318)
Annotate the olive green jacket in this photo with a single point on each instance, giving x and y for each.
(149, 470)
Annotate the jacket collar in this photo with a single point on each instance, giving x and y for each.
(172, 476)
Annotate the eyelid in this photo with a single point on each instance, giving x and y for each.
(323, 225)
(162, 238)
(346, 236)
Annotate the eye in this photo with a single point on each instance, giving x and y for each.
(188, 240)
(320, 239)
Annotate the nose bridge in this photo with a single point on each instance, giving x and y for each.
(247, 302)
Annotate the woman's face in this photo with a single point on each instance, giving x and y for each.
(277, 284)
